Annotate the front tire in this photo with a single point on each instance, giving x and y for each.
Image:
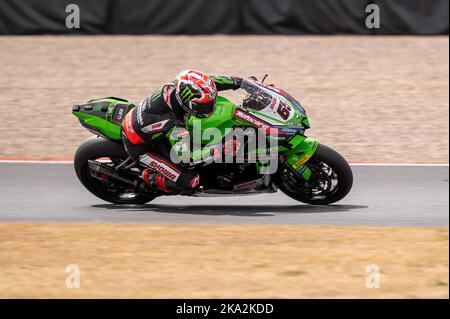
(331, 179)
(97, 148)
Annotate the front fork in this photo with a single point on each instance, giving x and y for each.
(300, 150)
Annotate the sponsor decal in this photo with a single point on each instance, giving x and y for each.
(194, 182)
(156, 95)
(130, 133)
(110, 109)
(119, 113)
(290, 130)
(187, 94)
(140, 109)
(128, 124)
(251, 119)
(160, 167)
(155, 127)
(273, 103)
(302, 161)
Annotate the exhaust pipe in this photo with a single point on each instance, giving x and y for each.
(99, 170)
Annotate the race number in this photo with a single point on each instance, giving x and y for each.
(284, 111)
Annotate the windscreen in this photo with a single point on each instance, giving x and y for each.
(262, 95)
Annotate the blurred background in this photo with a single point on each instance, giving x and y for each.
(373, 76)
(414, 17)
(372, 95)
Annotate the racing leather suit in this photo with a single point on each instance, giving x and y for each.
(144, 132)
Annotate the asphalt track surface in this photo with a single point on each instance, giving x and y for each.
(381, 195)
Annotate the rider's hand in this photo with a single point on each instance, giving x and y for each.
(250, 103)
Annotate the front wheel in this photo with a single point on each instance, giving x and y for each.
(331, 179)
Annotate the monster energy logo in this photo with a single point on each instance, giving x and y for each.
(156, 95)
(186, 95)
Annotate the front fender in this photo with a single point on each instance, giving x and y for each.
(302, 148)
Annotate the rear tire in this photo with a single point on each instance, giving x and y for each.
(96, 148)
(339, 166)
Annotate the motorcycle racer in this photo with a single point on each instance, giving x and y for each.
(146, 128)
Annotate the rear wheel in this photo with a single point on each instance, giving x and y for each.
(331, 179)
(112, 154)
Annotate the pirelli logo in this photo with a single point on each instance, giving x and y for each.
(251, 119)
(302, 161)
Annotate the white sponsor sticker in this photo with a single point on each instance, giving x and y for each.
(160, 167)
(155, 127)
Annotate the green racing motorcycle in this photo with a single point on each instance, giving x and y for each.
(306, 170)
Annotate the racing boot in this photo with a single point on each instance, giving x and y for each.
(158, 182)
(187, 183)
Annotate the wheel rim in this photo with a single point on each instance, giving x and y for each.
(322, 184)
